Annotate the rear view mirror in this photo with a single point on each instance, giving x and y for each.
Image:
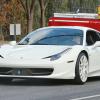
(97, 44)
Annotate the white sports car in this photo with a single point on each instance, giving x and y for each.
(53, 52)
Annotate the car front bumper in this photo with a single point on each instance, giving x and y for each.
(19, 68)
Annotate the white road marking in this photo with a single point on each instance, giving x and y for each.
(88, 97)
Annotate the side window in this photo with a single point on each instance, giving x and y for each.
(92, 37)
(98, 36)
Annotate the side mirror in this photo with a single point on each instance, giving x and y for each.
(97, 44)
(12, 43)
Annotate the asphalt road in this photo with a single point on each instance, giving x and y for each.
(44, 89)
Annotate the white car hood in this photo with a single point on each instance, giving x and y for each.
(30, 51)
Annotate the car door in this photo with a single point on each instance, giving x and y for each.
(94, 53)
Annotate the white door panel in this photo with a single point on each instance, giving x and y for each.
(94, 60)
(94, 52)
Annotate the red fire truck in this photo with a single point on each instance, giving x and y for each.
(80, 19)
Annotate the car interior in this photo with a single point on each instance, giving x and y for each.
(92, 37)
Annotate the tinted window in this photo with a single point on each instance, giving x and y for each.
(54, 36)
(92, 37)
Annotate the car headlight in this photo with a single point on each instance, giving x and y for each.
(58, 55)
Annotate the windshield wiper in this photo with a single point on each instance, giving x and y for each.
(21, 44)
(38, 44)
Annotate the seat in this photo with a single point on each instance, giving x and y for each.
(89, 39)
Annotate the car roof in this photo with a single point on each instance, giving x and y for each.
(73, 27)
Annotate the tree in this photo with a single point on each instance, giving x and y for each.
(43, 5)
(9, 9)
(4, 10)
(28, 6)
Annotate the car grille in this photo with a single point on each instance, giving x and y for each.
(26, 71)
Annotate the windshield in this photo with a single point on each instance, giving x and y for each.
(54, 36)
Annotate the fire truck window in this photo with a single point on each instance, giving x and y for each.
(92, 37)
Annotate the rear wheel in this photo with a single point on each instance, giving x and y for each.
(81, 70)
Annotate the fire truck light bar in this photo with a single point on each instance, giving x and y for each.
(78, 15)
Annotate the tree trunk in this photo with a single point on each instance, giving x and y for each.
(42, 17)
(30, 23)
(42, 8)
(29, 11)
(2, 35)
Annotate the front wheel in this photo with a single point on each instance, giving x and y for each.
(81, 69)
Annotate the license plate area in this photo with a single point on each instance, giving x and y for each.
(22, 72)
(18, 72)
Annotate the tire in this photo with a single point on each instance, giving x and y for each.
(81, 69)
(5, 80)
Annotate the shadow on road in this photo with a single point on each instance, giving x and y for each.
(39, 82)
(46, 82)
(94, 79)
